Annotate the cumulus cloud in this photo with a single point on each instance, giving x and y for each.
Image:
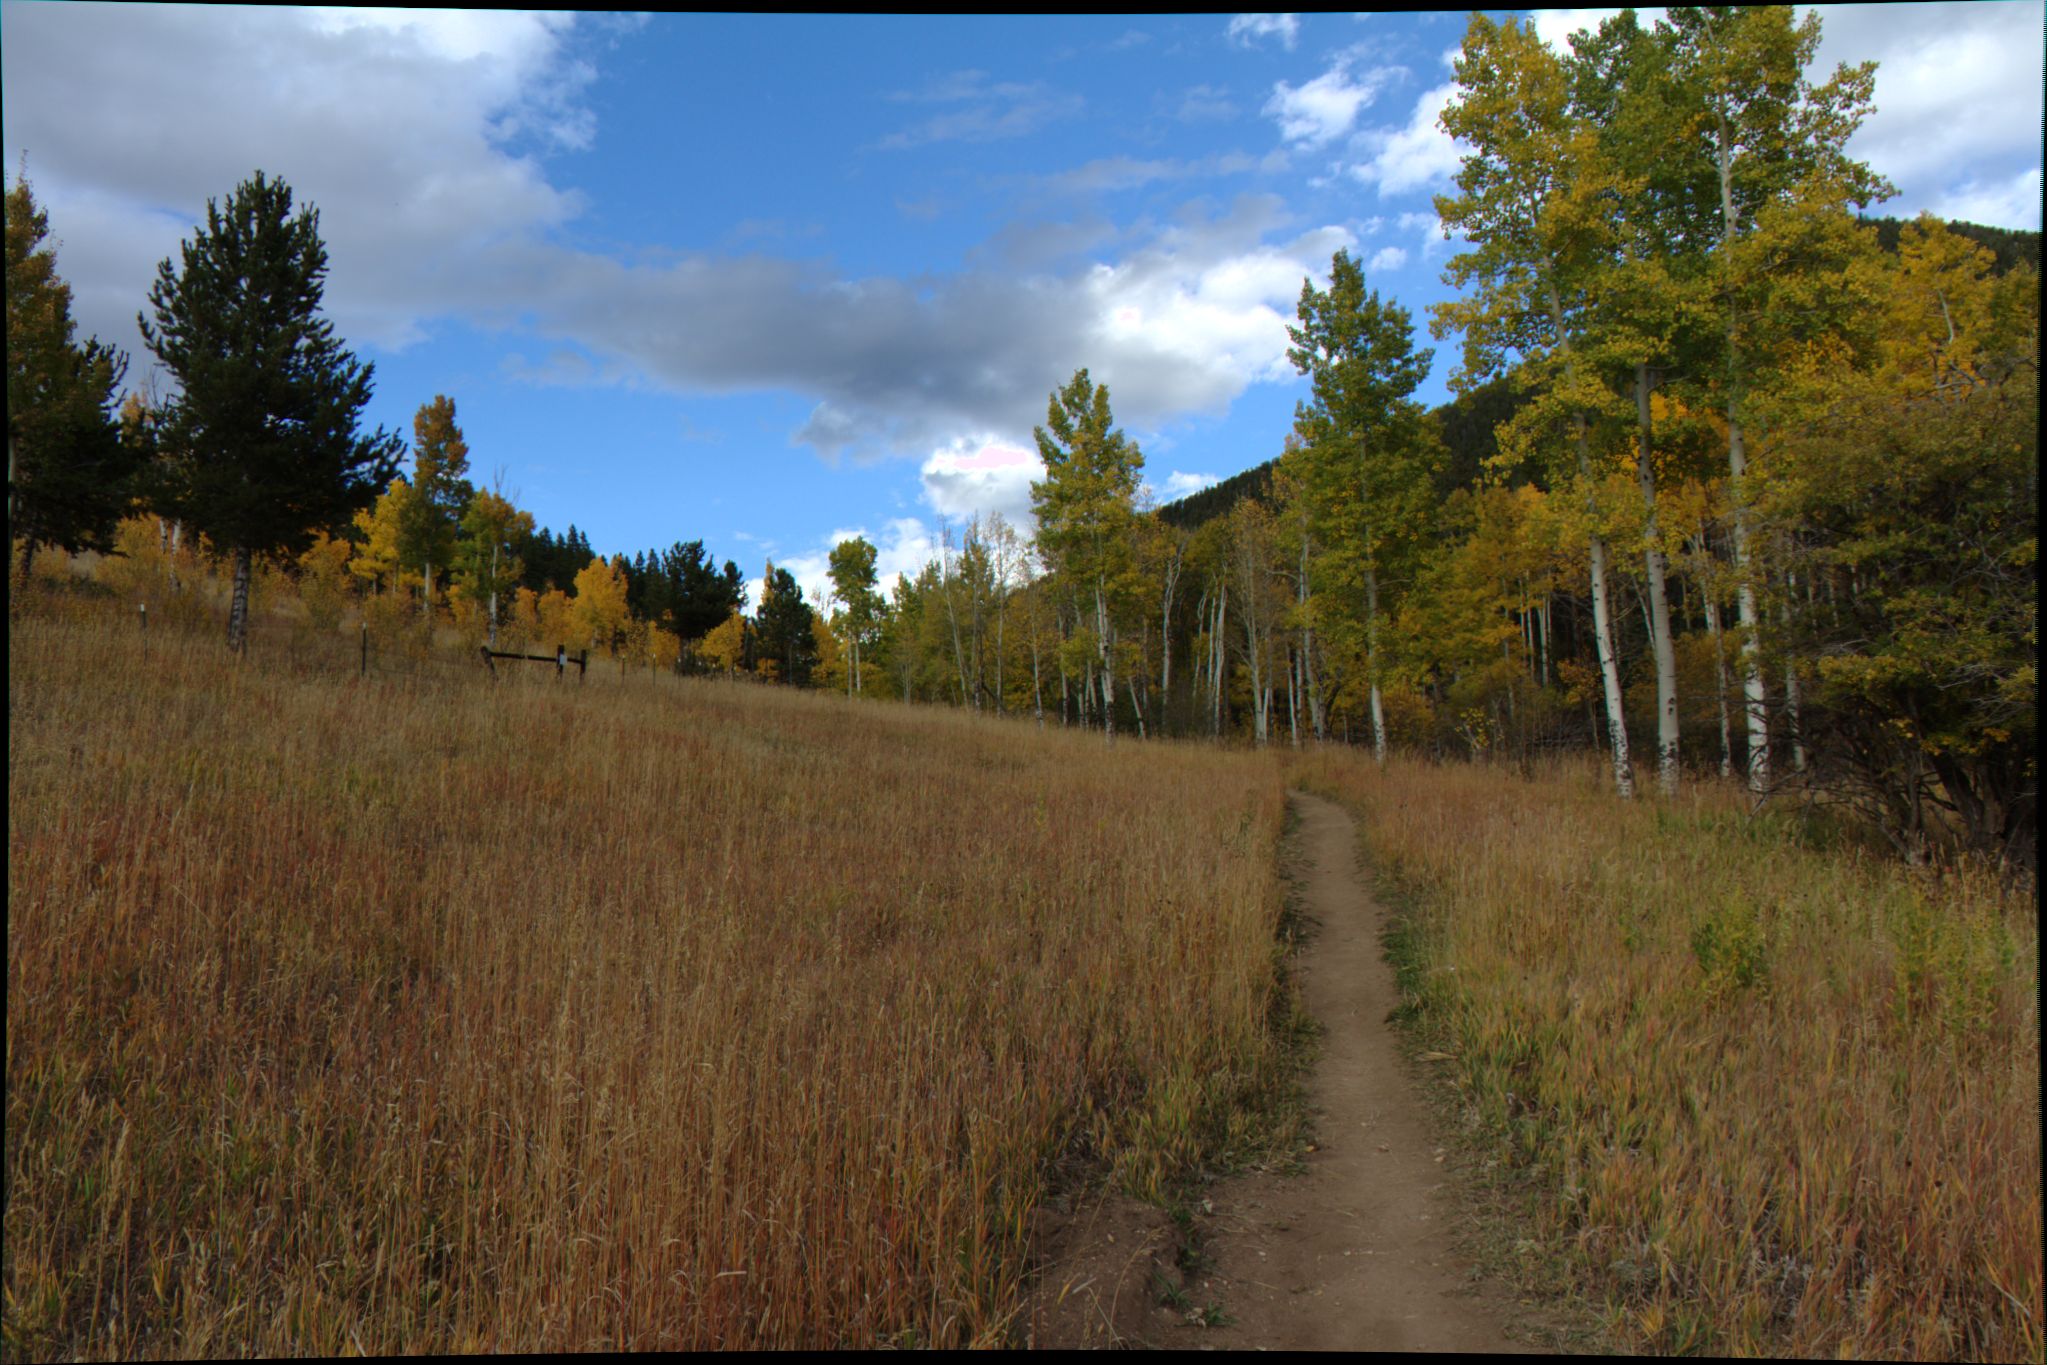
(1959, 100)
(976, 475)
(902, 547)
(1246, 29)
(1324, 109)
(1555, 26)
(1181, 323)
(1387, 258)
(414, 132)
(1418, 156)
(421, 138)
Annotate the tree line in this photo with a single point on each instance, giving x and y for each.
(1734, 476)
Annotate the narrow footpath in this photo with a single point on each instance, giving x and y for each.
(1354, 1254)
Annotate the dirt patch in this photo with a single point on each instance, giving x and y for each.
(1356, 1252)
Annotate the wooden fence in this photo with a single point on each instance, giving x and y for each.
(561, 659)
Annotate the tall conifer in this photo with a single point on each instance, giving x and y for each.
(261, 434)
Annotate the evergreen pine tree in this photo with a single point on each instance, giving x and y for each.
(70, 474)
(261, 435)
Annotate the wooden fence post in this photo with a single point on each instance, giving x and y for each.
(143, 607)
(561, 660)
(487, 662)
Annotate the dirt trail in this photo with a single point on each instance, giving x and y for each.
(1356, 1253)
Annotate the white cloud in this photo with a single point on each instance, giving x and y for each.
(1418, 156)
(902, 548)
(1959, 99)
(1208, 329)
(419, 138)
(1555, 26)
(2012, 204)
(1179, 485)
(976, 475)
(1387, 258)
(407, 130)
(1325, 108)
(1435, 238)
(1246, 29)
(1179, 323)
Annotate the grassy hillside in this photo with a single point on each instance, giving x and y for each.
(418, 1014)
(1755, 1091)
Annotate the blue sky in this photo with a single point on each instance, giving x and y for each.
(767, 281)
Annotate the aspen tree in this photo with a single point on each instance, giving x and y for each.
(1084, 507)
(1770, 146)
(1363, 458)
(429, 529)
(1530, 203)
(852, 575)
(487, 562)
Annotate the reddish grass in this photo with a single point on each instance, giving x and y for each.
(424, 1014)
(1771, 1098)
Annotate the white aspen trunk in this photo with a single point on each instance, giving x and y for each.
(1037, 684)
(1754, 692)
(1659, 601)
(1602, 625)
(959, 658)
(1543, 619)
(1720, 686)
(1258, 687)
(1527, 629)
(1609, 671)
(1293, 701)
(1372, 661)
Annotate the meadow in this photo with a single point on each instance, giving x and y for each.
(1751, 1088)
(424, 1012)
(417, 1013)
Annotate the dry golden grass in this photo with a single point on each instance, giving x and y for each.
(1776, 1098)
(424, 1014)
